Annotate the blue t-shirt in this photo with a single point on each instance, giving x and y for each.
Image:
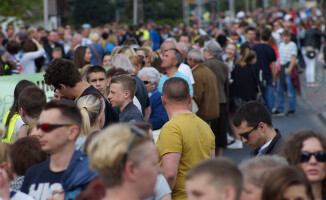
(40, 182)
(178, 74)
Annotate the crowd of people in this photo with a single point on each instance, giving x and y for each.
(144, 112)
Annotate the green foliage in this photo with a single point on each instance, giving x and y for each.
(170, 22)
(95, 12)
(169, 9)
(23, 9)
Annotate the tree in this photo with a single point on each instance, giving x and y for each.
(157, 10)
(22, 9)
(95, 12)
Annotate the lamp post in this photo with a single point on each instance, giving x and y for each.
(135, 12)
(45, 13)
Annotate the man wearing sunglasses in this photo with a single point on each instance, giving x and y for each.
(63, 75)
(185, 140)
(254, 126)
(66, 172)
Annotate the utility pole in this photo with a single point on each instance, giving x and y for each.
(185, 12)
(253, 5)
(135, 12)
(199, 11)
(45, 14)
(324, 8)
(140, 11)
(231, 8)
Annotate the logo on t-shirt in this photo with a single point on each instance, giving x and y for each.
(43, 191)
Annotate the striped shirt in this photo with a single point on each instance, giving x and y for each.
(286, 51)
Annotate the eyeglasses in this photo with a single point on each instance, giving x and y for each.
(50, 127)
(136, 132)
(246, 134)
(319, 155)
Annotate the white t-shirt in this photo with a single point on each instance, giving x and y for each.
(20, 195)
(28, 61)
(18, 125)
(137, 103)
(185, 70)
(162, 188)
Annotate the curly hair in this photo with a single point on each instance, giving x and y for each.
(62, 71)
(293, 144)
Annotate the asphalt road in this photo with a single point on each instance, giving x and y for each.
(305, 118)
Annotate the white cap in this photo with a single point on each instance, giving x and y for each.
(287, 17)
(240, 14)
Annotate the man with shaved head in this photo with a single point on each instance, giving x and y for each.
(185, 139)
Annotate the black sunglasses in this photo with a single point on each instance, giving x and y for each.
(136, 132)
(94, 94)
(319, 155)
(246, 134)
(146, 82)
(50, 127)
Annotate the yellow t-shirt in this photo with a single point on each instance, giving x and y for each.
(190, 136)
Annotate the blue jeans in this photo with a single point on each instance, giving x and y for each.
(269, 97)
(290, 91)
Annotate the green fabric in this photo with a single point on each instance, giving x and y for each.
(9, 137)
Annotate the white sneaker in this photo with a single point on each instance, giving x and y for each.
(230, 139)
(237, 144)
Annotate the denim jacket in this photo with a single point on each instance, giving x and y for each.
(77, 176)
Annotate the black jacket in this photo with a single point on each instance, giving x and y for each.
(273, 148)
(313, 38)
(48, 49)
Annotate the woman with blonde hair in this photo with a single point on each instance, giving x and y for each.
(126, 160)
(91, 107)
(127, 50)
(137, 63)
(145, 52)
(96, 48)
(111, 42)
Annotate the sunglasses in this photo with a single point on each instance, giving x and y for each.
(50, 127)
(246, 134)
(146, 82)
(136, 132)
(319, 155)
(94, 94)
